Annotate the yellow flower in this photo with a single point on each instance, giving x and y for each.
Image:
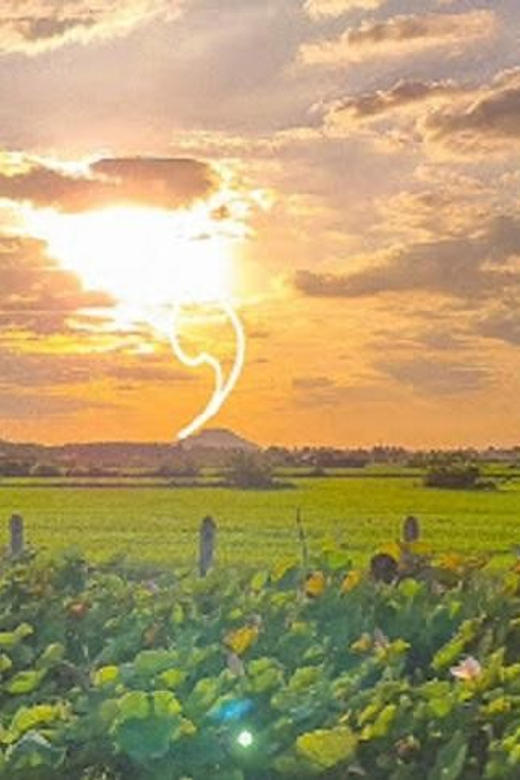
(394, 549)
(363, 644)
(451, 561)
(351, 581)
(315, 584)
(242, 639)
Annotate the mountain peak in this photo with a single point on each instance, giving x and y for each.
(218, 438)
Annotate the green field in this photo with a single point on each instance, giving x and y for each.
(155, 523)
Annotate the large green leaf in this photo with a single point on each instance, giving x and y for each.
(134, 705)
(152, 662)
(25, 682)
(144, 739)
(27, 718)
(34, 750)
(450, 759)
(327, 747)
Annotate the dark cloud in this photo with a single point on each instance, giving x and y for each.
(325, 391)
(485, 123)
(313, 383)
(402, 35)
(370, 106)
(26, 405)
(37, 295)
(442, 339)
(502, 322)
(429, 376)
(464, 267)
(24, 369)
(145, 181)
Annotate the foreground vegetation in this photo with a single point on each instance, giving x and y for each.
(326, 672)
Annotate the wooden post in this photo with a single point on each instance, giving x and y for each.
(411, 530)
(16, 531)
(303, 541)
(207, 544)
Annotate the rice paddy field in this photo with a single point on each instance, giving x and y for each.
(158, 523)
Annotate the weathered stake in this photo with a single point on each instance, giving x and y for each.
(207, 544)
(303, 541)
(16, 534)
(411, 530)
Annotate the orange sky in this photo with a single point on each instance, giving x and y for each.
(343, 172)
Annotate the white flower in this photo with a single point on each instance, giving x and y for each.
(468, 669)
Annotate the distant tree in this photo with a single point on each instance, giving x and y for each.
(249, 470)
(186, 468)
(457, 476)
(45, 470)
(15, 468)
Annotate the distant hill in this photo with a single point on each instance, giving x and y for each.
(218, 439)
(210, 447)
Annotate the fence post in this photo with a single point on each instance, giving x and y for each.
(303, 541)
(411, 529)
(207, 544)
(16, 533)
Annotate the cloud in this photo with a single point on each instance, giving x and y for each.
(451, 207)
(313, 383)
(144, 181)
(429, 376)
(37, 295)
(487, 123)
(34, 26)
(324, 391)
(449, 119)
(464, 267)
(375, 106)
(318, 9)
(400, 36)
(49, 370)
(34, 406)
(501, 322)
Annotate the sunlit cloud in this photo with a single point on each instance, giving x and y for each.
(484, 123)
(318, 9)
(402, 36)
(33, 26)
(167, 183)
(403, 98)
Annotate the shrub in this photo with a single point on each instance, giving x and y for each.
(457, 476)
(249, 470)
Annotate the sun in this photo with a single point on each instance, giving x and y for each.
(142, 257)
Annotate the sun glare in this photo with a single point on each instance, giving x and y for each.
(143, 257)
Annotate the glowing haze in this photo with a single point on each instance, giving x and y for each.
(336, 178)
(153, 262)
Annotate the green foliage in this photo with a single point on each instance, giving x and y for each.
(457, 476)
(106, 678)
(256, 527)
(249, 470)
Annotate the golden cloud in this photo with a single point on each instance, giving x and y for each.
(323, 8)
(145, 181)
(401, 36)
(488, 122)
(33, 26)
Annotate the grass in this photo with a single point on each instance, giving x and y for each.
(159, 524)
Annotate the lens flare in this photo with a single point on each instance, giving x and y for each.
(245, 739)
(223, 386)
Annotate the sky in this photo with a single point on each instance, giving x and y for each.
(342, 174)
